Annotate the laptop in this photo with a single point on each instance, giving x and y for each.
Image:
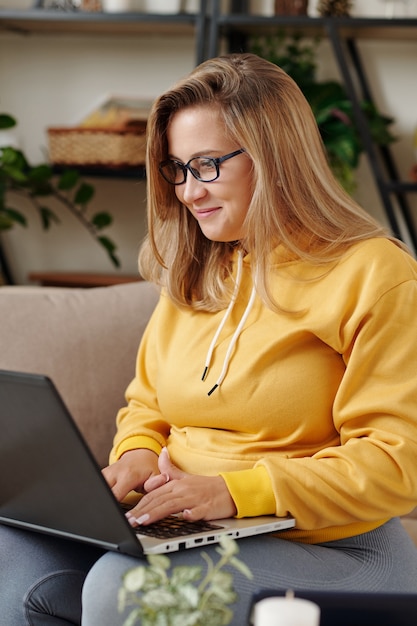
(354, 608)
(55, 486)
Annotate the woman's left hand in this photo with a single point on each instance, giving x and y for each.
(175, 491)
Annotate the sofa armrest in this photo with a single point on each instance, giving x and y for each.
(85, 340)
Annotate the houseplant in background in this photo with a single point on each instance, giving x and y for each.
(331, 106)
(158, 596)
(39, 183)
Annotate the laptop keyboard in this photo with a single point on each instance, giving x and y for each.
(173, 526)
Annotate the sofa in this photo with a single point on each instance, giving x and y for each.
(86, 341)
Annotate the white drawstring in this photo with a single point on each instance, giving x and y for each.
(226, 315)
(233, 341)
(221, 326)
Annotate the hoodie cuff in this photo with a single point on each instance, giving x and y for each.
(251, 491)
(135, 443)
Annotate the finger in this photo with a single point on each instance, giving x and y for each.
(154, 482)
(112, 479)
(148, 513)
(164, 462)
(109, 477)
(167, 468)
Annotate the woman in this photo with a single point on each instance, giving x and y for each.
(277, 374)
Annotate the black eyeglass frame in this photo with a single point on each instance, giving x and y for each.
(217, 161)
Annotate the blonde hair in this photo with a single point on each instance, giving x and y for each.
(296, 200)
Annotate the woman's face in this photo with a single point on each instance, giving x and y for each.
(220, 207)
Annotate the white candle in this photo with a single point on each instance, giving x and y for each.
(116, 6)
(286, 611)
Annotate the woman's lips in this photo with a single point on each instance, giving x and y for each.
(202, 213)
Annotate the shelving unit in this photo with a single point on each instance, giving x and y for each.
(209, 27)
(343, 35)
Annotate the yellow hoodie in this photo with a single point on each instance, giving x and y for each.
(317, 413)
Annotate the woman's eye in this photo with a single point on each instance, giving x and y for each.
(207, 165)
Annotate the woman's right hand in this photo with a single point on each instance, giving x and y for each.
(131, 471)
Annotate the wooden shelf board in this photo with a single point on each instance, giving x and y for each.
(80, 279)
(360, 28)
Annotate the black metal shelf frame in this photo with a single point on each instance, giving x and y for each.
(342, 34)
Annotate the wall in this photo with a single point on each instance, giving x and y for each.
(48, 80)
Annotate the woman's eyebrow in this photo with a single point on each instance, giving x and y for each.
(207, 152)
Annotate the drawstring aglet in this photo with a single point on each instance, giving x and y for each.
(212, 389)
(205, 373)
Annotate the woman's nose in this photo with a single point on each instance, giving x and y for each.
(192, 189)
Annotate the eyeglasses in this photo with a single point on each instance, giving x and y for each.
(203, 168)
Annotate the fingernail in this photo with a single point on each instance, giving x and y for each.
(132, 521)
(166, 478)
(143, 518)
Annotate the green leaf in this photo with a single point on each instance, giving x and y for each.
(47, 217)
(40, 174)
(16, 216)
(84, 194)
(190, 619)
(11, 156)
(134, 618)
(241, 567)
(325, 95)
(228, 546)
(134, 579)
(101, 220)
(157, 560)
(5, 221)
(6, 121)
(378, 124)
(189, 594)
(185, 574)
(344, 149)
(110, 247)
(41, 189)
(15, 175)
(159, 599)
(68, 180)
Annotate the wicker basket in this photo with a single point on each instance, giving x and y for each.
(291, 7)
(97, 147)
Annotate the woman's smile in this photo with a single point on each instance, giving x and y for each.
(204, 213)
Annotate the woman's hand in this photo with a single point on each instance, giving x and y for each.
(175, 491)
(131, 472)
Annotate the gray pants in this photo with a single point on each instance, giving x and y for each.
(41, 578)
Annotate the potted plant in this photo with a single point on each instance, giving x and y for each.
(159, 596)
(39, 183)
(331, 106)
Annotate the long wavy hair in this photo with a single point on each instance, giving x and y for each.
(296, 200)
